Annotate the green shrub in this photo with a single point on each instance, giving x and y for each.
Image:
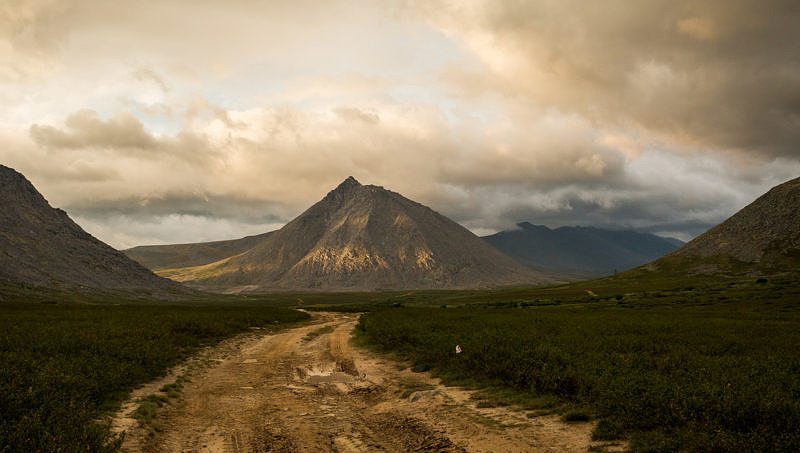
(607, 429)
(577, 415)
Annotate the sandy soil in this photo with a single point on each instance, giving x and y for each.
(292, 392)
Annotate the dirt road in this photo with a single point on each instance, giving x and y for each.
(308, 389)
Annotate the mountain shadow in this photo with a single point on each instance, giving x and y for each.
(42, 246)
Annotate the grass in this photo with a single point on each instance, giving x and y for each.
(147, 410)
(693, 368)
(173, 390)
(66, 365)
(148, 406)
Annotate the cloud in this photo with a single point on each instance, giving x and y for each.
(227, 163)
(33, 26)
(129, 231)
(661, 116)
(355, 114)
(261, 167)
(716, 75)
(700, 28)
(85, 129)
(148, 74)
(536, 151)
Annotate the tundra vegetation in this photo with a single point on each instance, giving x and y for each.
(65, 365)
(708, 368)
(668, 363)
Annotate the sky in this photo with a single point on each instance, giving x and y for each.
(173, 121)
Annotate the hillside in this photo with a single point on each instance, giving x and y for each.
(362, 238)
(580, 252)
(157, 257)
(763, 237)
(41, 245)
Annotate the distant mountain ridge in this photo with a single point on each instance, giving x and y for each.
(763, 237)
(360, 238)
(580, 252)
(41, 245)
(158, 257)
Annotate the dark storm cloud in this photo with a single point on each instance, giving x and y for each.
(637, 215)
(246, 211)
(177, 218)
(689, 206)
(717, 74)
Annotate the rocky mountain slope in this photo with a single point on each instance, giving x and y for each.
(362, 238)
(41, 245)
(580, 252)
(762, 237)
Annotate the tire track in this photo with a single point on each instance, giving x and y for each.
(293, 392)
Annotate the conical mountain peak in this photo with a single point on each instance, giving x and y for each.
(363, 237)
(348, 183)
(345, 187)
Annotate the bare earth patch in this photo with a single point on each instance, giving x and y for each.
(289, 392)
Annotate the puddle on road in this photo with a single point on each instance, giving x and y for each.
(330, 378)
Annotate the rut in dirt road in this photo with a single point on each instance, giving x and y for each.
(307, 389)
